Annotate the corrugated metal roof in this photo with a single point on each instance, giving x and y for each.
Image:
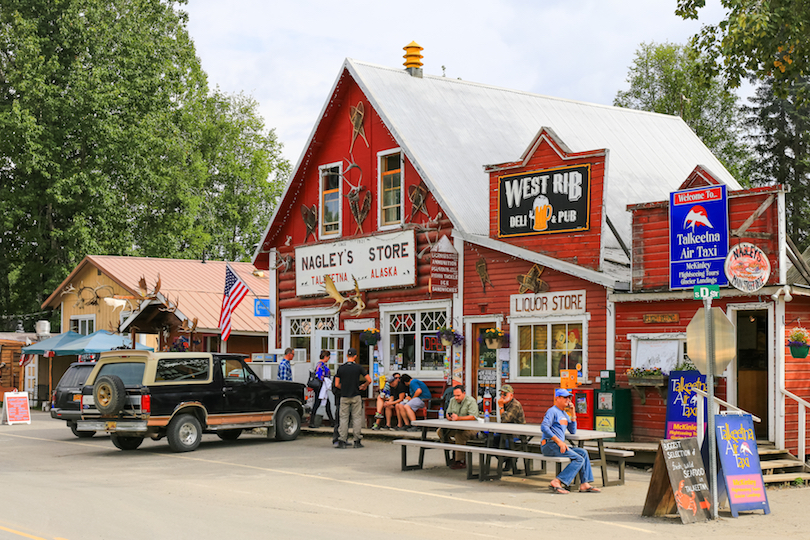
(450, 129)
(198, 285)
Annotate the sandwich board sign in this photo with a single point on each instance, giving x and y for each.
(679, 482)
(739, 472)
(15, 408)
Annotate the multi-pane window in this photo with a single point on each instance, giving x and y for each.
(544, 349)
(410, 350)
(330, 204)
(302, 330)
(391, 197)
(83, 325)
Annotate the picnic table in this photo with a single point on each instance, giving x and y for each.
(529, 431)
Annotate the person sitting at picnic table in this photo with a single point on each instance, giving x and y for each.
(406, 409)
(559, 419)
(393, 392)
(511, 412)
(461, 407)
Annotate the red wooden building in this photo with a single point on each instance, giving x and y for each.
(531, 193)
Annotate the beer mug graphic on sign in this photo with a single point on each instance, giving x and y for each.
(541, 213)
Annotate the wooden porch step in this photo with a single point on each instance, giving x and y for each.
(786, 478)
(780, 464)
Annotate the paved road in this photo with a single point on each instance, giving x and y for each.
(58, 487)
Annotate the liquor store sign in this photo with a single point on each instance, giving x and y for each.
(698, 237)
(544, 202)
(376, 262)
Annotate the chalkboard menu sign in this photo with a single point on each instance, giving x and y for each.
(679, 482)
(739, 463)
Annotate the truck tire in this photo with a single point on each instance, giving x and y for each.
(288, 424)
(80, 434)
(229, 434)
(125, 443)
(109, 394)
(184, 433)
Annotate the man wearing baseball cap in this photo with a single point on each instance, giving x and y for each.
(347, 379)
(559, 419)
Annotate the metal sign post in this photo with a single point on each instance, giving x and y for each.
(707, 304)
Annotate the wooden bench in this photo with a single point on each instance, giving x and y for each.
(611, 455)
(484, 456)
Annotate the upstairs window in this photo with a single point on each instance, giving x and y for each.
(330, 200)
(390, 189)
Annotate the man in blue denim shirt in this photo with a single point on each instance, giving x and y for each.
(556, 422)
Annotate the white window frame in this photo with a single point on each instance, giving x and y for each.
(80, 319)
(514, 365)
(321, 169)
(288, 314)
(380, 155)
(634, 339)
(390, 309)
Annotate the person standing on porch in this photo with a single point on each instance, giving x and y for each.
(559, 419)
(347, 379)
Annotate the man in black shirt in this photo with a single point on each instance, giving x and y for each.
(347, 379)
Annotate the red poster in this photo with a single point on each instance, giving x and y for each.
(15, 405)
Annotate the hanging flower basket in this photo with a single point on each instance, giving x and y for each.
(370, 336)
(494, 338)
(449, 337)
(798, 341)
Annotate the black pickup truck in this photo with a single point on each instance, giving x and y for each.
(134, 394)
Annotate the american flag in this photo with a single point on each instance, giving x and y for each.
(235, 291)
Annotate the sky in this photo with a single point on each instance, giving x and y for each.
(288, 54)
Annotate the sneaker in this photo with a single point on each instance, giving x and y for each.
(412, 428)
(386, 428)
(341, 445)
(378, 415)
(358, 444)
(400, 428)
(458, 465)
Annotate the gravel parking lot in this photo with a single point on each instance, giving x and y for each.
(61, 487)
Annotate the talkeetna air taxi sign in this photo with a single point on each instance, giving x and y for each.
(544, 202)
(698, 237)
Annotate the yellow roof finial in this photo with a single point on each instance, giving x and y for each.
(412, 57)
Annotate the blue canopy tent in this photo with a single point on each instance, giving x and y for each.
(48, 346)
(97, 342)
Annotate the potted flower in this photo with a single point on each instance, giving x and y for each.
(799, 342)
(370, 336)
(494, 338)
(449, 337)
(652, 376)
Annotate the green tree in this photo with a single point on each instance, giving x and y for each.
(760, 39)
(104, 118)
(780, 129)
(664, 79)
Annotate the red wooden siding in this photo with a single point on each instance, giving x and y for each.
(503, 271)
(797, 372)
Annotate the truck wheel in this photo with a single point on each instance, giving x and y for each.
(80, 434)
(229, 434)
(288, 424)
(184, 433)
(109, 394)
(125, 443)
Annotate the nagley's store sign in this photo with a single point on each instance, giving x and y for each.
(543, 202)
(546, 304)
(377, 262)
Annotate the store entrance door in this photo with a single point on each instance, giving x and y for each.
(752, 366)
(484, 363)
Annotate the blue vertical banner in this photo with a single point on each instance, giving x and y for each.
(698, 237)
(682, 402)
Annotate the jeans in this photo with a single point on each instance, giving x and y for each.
(580, 462)
(351, 408)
